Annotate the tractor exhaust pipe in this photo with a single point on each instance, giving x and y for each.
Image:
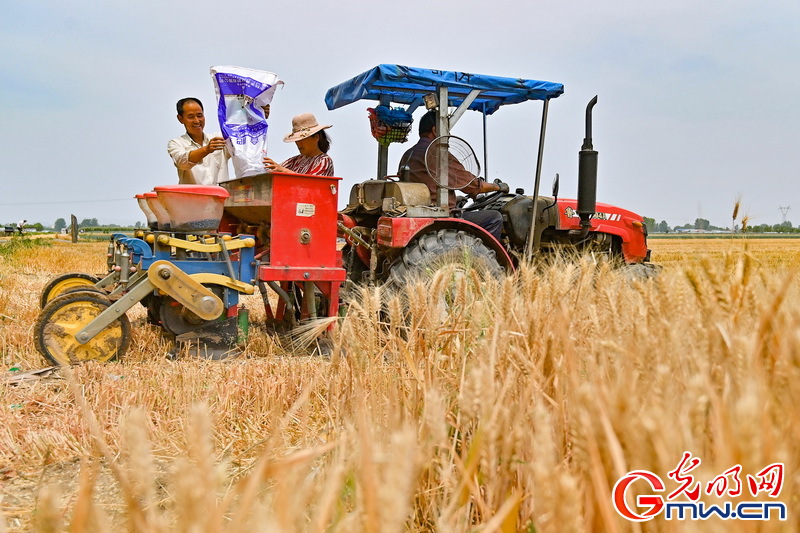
(587, 176)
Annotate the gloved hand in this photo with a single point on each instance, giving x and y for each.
(503, 187)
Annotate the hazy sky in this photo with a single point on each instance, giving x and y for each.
(699, 102)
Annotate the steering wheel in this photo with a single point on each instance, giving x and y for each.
(486, 200)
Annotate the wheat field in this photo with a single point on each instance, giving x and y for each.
(517, 408)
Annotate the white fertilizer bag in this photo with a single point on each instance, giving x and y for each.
(241, 93)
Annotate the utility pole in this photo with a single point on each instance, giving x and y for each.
(784, 211)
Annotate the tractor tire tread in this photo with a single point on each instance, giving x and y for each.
(430, 248)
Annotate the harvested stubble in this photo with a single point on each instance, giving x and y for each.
(516, 408)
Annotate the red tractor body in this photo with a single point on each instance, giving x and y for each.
(392, 226)
(612, 220)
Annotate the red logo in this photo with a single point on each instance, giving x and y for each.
(656, 503)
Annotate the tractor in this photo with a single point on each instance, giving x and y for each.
(394, 230)
(281, 234)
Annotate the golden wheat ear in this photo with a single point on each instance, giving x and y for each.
(736, 206)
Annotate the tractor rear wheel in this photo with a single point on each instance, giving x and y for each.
(447, 247)
(63, 283)
(60, 320)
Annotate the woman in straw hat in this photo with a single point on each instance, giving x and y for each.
(312, 143)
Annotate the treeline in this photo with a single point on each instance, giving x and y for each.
(785, 227)
(87, 224)
(34, 226)
(704, 225)
(91, 224)
(701, 224)
(663, 227)
(108, 229)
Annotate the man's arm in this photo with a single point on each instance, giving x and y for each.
(466, 181)
(185, 159)
(215, 144)
(179, 155)
(489, 187)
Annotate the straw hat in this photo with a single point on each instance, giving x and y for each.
(303, 125)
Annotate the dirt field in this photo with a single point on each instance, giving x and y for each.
(518, 410)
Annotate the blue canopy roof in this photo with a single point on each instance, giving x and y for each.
(407, 85)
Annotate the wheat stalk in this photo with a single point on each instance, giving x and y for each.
(505, 406)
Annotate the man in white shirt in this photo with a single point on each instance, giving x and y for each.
(200, 159)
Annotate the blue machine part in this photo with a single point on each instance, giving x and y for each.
(407, 85)
(137, 248)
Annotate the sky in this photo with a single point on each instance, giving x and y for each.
(698, 102)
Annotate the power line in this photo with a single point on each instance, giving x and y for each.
(70, 202)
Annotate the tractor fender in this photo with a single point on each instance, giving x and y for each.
(398, 232)
(634, 247)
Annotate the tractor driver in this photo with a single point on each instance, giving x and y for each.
(199, 158)
(458, 176)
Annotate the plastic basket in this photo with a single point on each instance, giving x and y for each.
(386, 134)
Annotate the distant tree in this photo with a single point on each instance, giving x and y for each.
(38, 226)
(137, 225)
(88, 223)
(701, 223)
(60, 224)
(761, 228)
(663, 227)
(650, 223)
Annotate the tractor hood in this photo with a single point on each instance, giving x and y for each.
(613, 220)
(407, 85)
(568, 214)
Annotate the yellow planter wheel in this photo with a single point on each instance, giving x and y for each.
(60, 320)
(63, 283)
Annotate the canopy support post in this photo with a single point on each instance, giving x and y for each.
(485, 146)
(383, 150)
(442, 129)
(533, 239)
(473, 94)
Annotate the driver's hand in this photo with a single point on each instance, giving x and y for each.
(501, 186)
